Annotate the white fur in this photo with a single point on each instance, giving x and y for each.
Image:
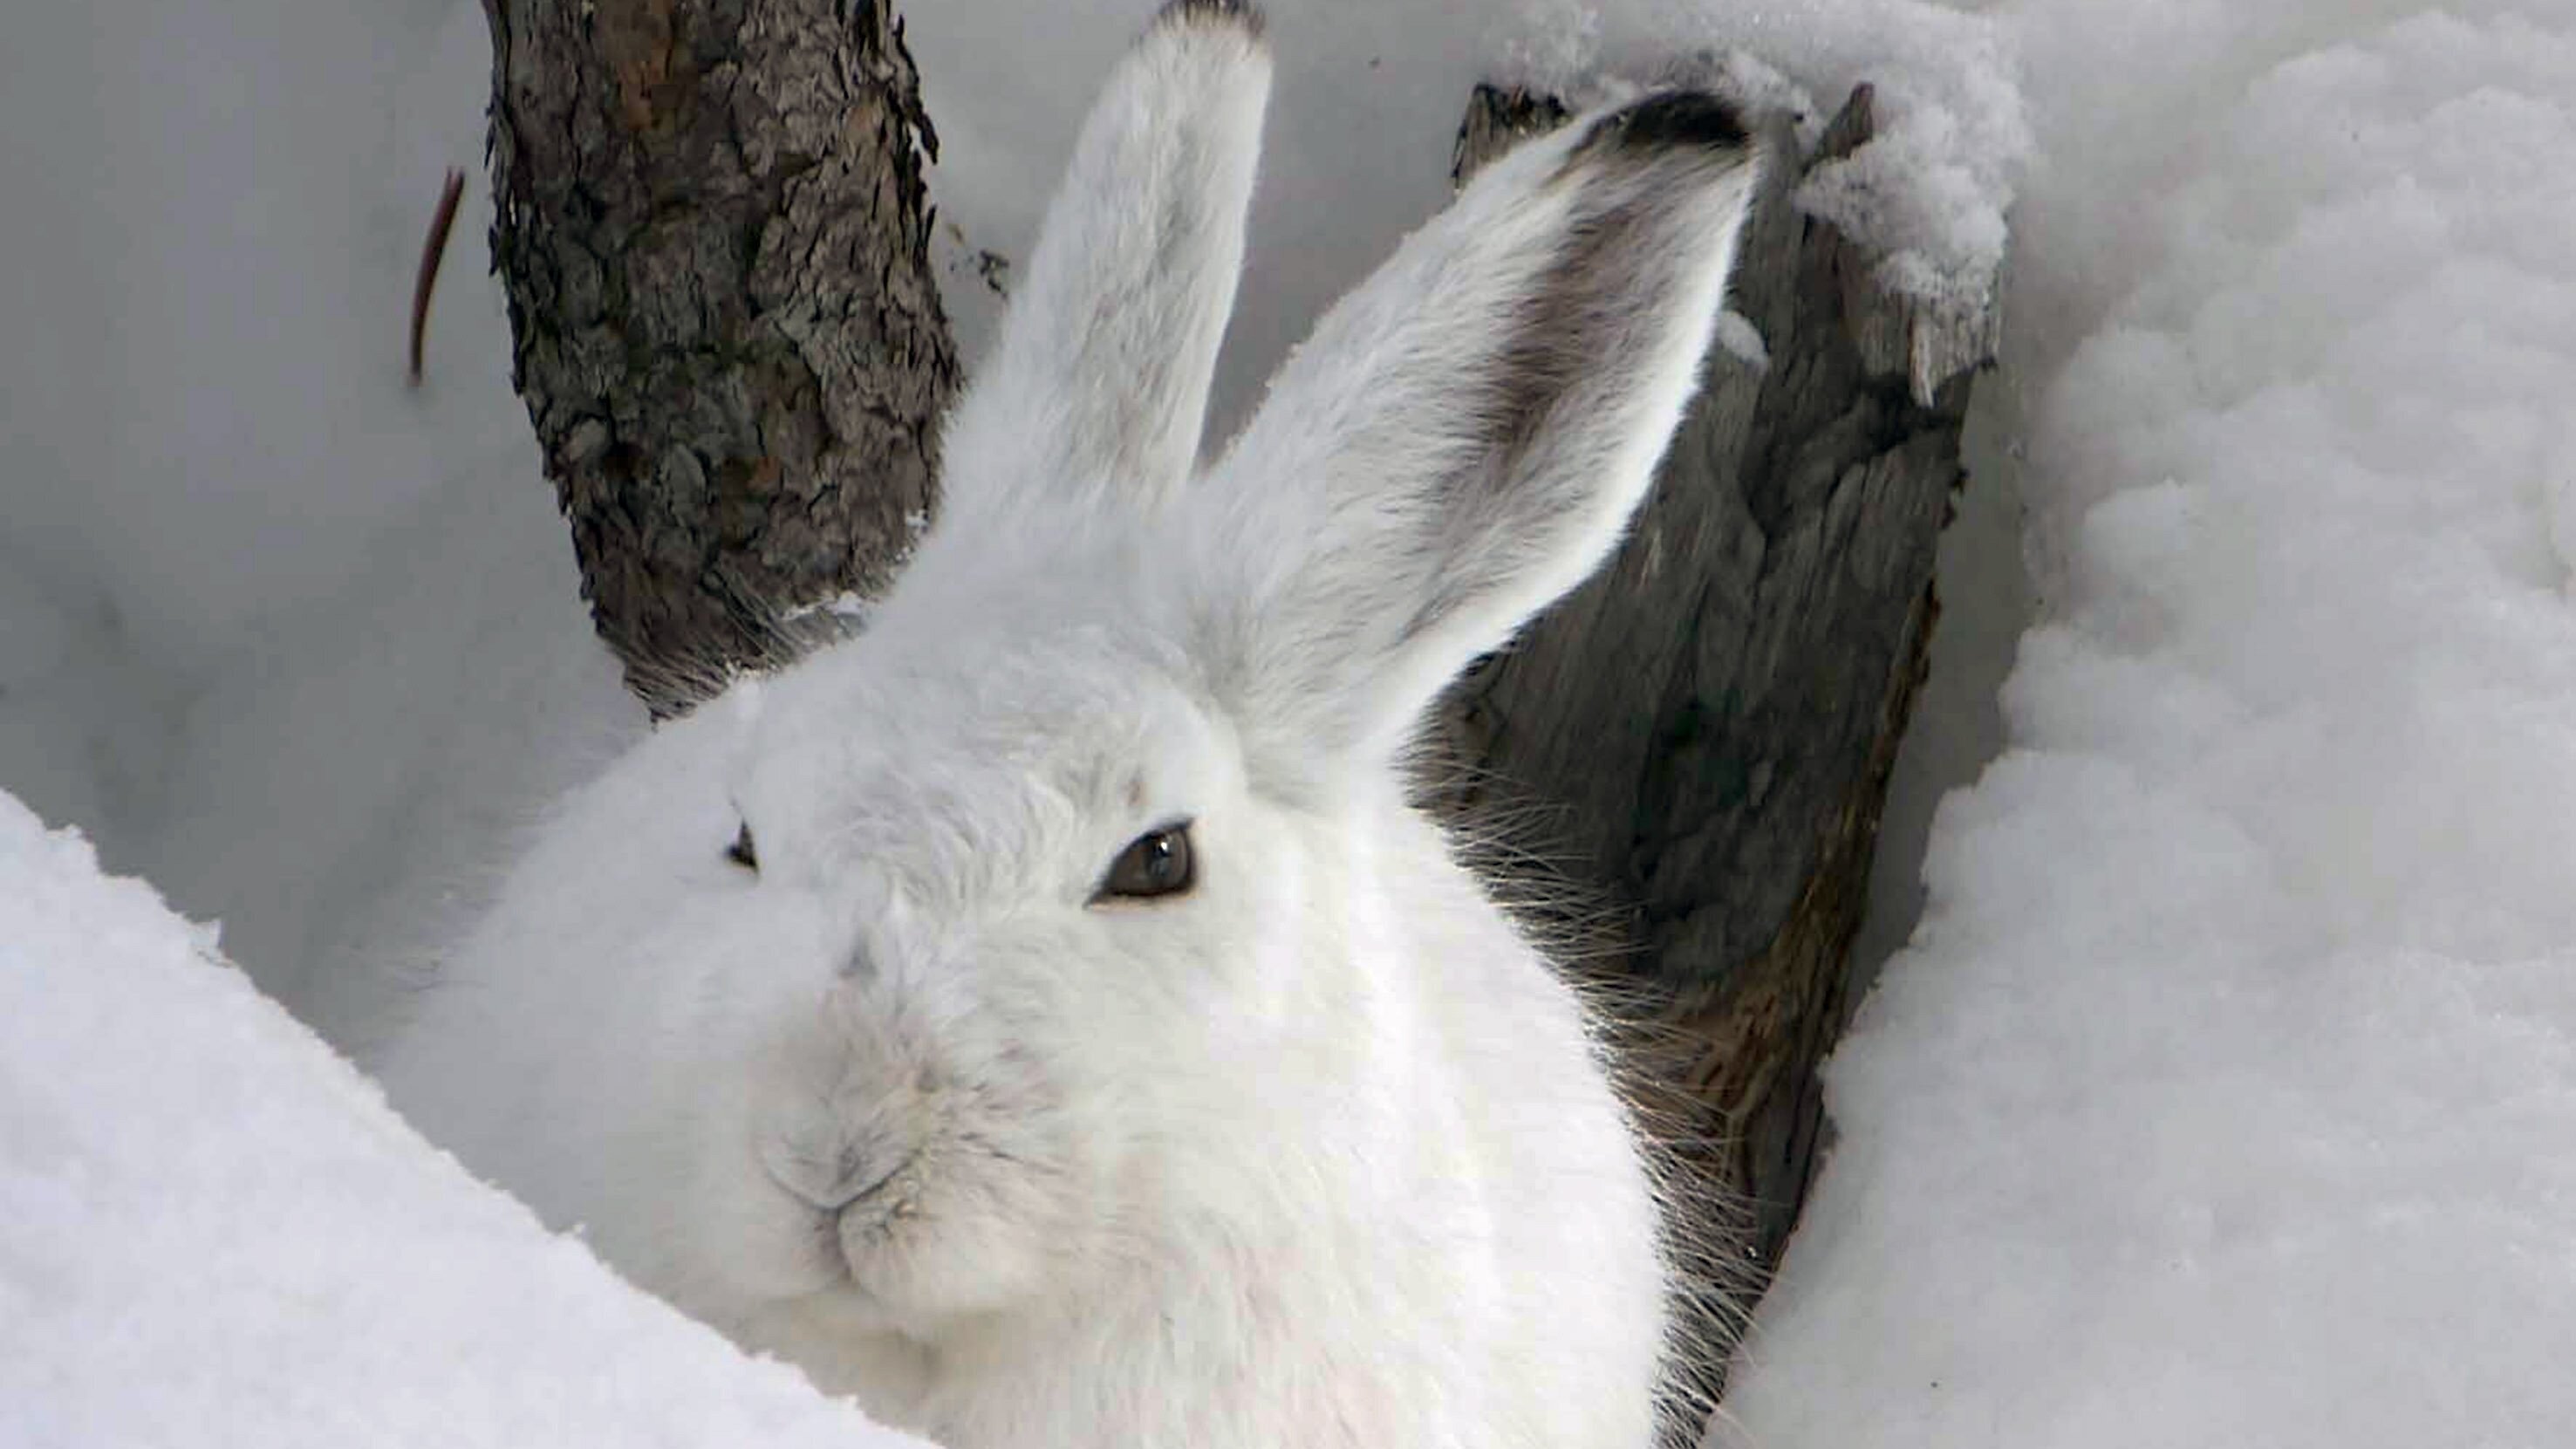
(1317, 1154)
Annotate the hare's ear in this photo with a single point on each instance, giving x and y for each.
(1464, 437)
(1098, 382)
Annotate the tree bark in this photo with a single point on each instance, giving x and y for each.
(1707, 726)
(713, 231)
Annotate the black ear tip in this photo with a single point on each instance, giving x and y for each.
(1672, 118)
(1239, 13)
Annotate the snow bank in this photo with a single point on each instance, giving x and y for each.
(243, 191)
(2228, 1091)
(83, 716)
(212, 1231)
(297, 641)
(344, 791)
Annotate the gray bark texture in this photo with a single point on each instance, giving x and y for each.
(1703, 734)
(713, 232)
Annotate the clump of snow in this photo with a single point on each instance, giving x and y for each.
(2227, 1093)
(213, 1231)
(1927, 194)
(1742, 340)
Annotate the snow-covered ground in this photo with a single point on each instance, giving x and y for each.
(2226, 1093)
(216, 1233)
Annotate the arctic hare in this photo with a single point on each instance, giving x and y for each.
(1040, 1015)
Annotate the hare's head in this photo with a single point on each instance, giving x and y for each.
(1061, 909)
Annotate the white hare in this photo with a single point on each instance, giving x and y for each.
(1040, 1015)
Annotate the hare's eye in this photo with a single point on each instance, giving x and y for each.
(1156, 863)
(741, 852)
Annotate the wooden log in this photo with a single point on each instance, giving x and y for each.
(713, 230)
(1704, 732)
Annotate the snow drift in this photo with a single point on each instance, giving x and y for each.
(217, 1233)
(2228, 1092)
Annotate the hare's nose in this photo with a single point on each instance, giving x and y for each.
(831, 1179)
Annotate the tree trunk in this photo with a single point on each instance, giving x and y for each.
(1707, 727)
(713, 232)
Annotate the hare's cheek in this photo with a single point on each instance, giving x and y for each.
(1027, 1149)
(748, 1242)
(985, 1230)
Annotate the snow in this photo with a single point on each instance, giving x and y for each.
(1927, 195)
(291, 1265)
(215, 236)
(1742, 340)
(2227, 1093)
(2225, 1090)
(299, 642)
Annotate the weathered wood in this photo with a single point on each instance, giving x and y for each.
(714, 235)
(1706, 728)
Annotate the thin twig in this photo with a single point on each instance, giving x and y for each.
(430, 252)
